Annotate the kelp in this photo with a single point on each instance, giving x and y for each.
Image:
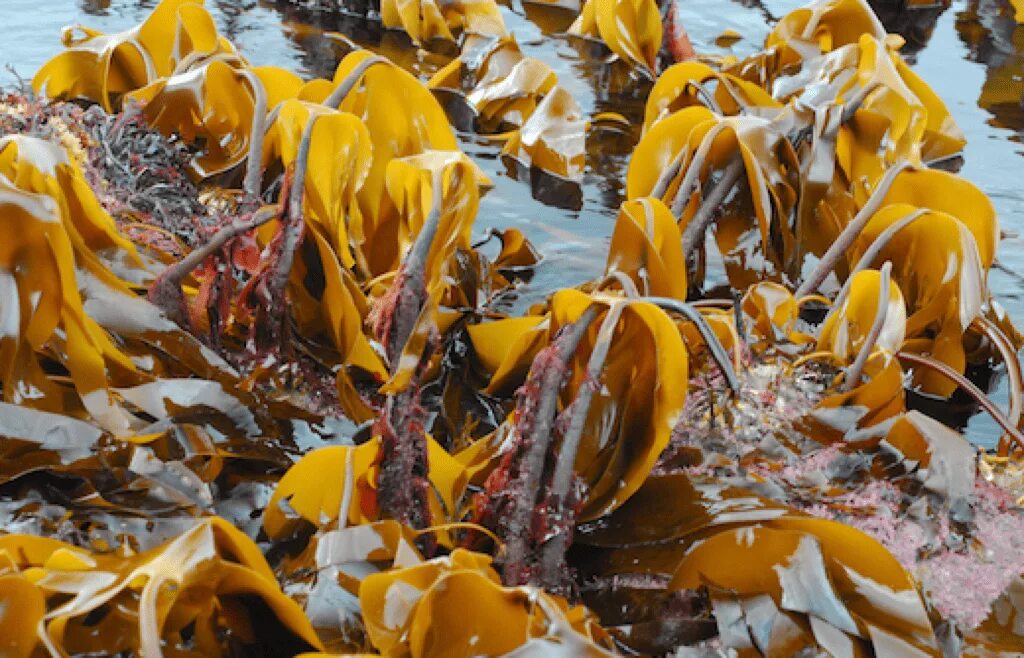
(630, 28)
(646, 246)
(59, 228)
(229, 100)
(403, 120)
(502, 85)
(105, 67)
(503, 89)
(858, 127)
(553, 138)
(676, 169)
(661, 460)
(780, 561)
(425, 20)
(458, 605)
(962, 280)
(191, 80)
(615, 416)
(198, 593)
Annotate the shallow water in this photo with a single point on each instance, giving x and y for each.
(975, 64)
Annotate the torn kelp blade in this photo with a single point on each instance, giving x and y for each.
(141, 602)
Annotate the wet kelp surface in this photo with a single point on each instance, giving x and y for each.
(267, 390)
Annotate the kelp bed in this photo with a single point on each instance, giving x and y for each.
(207, 268)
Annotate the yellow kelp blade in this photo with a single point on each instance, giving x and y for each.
(516, 251)
(54, 225)
(553, 139)
(687, 83)
(412, 186)
(508, 85)
(772, 308)
(280, 84)
(500, 86)
(631, 29)
(338, 163)
(422, 20)
(846, 329)
(104, 67)
(889, 125)
(844, 34)
(629, 418)
(774, 312)
(1018, 7)
(457, 604)
(842, 415)
(425, 20)
(71, 308)
(480, 17)
(942, 136)
(644, 394)
(679, 133)
(23, 609)
(854, 593)
(403, 119)
(686, 148)
(646, 246)
(142, 603)
(342, 480)
(38, 166)
(494, 341)
(822, 27)
(219, 96)
(899, 117)
(778, 582)
(936, 260)
(953, 195)
(323, 484)
(343, 308)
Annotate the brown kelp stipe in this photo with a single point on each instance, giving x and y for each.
(535, 413)
(853, 375)
(718, 352)
(166, 291)
(841, 245)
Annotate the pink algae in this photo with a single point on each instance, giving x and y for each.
(963, 583)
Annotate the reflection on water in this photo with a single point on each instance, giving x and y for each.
(95, 7)
(914, 21)
(971, 53)
(996, 40)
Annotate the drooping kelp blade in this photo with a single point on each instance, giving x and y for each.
(102, 603)
(104, 67)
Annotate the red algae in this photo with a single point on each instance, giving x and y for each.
(964, 582)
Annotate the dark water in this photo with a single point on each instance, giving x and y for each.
(972, 55)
